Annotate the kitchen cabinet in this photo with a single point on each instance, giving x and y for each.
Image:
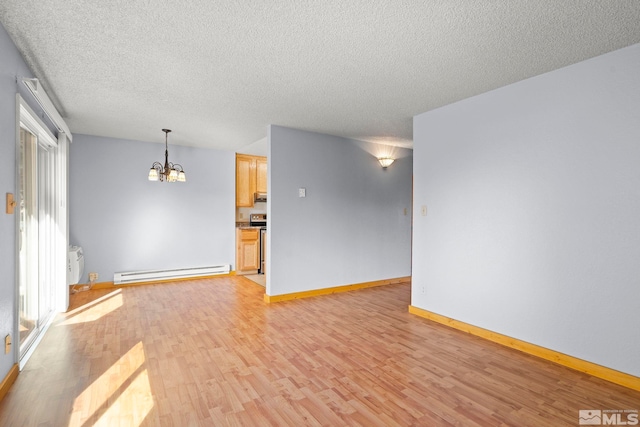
(245, 180)
(251, 177)
(247, 250)
(261, 174)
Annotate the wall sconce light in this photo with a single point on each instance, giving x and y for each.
(385, 161)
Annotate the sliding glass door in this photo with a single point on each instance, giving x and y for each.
(28, 238)
(37, 253)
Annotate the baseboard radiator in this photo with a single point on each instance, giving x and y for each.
(178, 273)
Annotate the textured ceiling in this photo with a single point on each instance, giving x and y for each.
(219, 72)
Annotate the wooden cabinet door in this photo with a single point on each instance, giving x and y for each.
(248, 249)
(245, 180)
(261, 174)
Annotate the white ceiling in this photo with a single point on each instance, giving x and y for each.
(219, 72)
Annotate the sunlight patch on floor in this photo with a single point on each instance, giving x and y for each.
(122, 389)
(94, 310)
(132, 406)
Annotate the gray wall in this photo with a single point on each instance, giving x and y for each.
(350, 227)
(12, 69)
(125, 222)
(533, 196)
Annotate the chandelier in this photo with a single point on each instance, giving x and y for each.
(169, 172)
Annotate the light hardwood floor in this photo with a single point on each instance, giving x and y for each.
(211, 352)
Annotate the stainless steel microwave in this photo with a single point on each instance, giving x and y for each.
(259, 197)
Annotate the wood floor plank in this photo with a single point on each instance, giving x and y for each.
(211, 352)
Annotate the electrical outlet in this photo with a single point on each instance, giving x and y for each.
(302, 192)
(423, 289)
(93, 277)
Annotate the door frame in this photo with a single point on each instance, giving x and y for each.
(46, 138)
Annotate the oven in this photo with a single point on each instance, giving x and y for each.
(260, 220)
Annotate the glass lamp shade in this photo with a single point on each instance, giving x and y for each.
(153, 175)
(385, 161)
(173, 175)
(182, 177)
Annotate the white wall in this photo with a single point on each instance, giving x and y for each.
(10, 65)
(350, 227)
(533, 196)
(125, 222)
